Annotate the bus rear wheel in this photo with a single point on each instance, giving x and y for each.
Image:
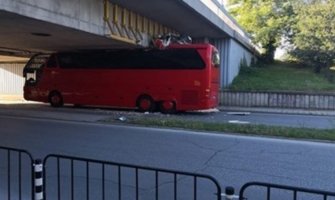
(55, 99)
(167, 107)
(145, 103)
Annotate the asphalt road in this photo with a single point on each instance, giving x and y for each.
(271, 119)
(95, 114)
(232, 160)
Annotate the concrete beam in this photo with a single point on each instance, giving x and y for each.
(84, 15)
(216, 14)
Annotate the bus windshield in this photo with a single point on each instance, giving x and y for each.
(33, 67)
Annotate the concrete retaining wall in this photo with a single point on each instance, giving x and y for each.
(236, 56)
(296, 100)
(11, 79)
(232, 54)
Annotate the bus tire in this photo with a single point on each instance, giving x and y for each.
(55, 99)
(167, 107)
(145, 103)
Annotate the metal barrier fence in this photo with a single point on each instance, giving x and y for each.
(16, 174)
(295, 193)
(77, 178)
(278, 99)
(65, 177)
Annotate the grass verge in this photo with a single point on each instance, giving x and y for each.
(248, 129)
(281, 76)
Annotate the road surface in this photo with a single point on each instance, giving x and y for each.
(96, 114)
(232, 160)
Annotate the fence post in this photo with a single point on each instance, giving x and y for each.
(229, 193)
(38, 179)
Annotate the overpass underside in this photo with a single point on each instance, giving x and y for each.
(30, 26)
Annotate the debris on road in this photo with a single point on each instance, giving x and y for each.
(122, 119)
(238, 122)
(238, 113)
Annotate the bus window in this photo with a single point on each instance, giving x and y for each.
(52, 62)
(216, 59)
(133, 59)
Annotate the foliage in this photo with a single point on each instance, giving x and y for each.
(308, 26)
(266, 20)
(313, 34)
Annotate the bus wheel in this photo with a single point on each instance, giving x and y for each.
(168, 107)
(55, 99)
(145, 103)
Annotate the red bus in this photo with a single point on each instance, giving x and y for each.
(177, 78)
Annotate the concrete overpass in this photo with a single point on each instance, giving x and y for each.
(29, 26)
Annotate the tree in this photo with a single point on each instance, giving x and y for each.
(266, 20)
(314, 33)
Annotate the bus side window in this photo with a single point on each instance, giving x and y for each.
(52, 63)
(216, 59)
